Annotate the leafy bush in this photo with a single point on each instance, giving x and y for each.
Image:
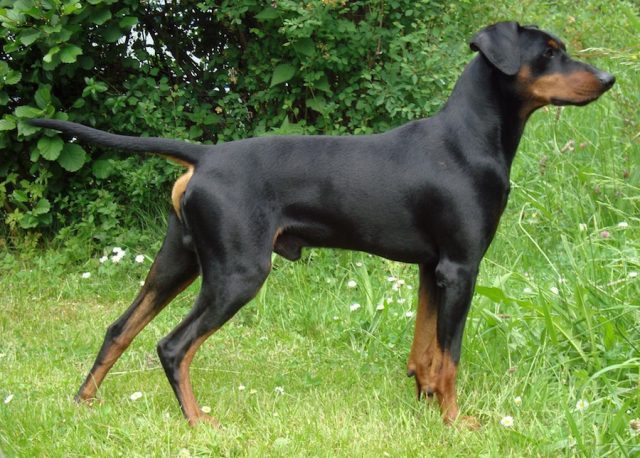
(209, 71)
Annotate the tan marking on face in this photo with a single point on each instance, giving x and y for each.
(577, 88)
(554, 44)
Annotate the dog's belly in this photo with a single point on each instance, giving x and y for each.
(403, 245)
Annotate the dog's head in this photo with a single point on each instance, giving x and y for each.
(544, 72)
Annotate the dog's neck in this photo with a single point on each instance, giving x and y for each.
(491, 115)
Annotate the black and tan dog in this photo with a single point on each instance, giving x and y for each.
(430, 192)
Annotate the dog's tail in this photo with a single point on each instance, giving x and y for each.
(187, 153)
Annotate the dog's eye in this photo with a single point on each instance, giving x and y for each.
(549, 52)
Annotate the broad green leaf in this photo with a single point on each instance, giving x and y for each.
(102, 168)
(71, 8)
(72, 157)
(70, 53)
(112, 33)
(20, 196)
(268, 14)
(43, 206)
(282, 73)
(22, 6)
(43, 96)
(305, 46)
(323, 84)
(317, 103)
(13, 77)
(61, 36)
(7, 124)
(195, 132)
(86, 62)
(35, 155)
(48, 58)
(28, 221)
(128, 22)
(4, 98)
(101, 16)
(493, 293)
(50, 147)
(26, 111)
(26, 129)
(29, 36)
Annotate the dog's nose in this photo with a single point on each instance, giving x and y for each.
(607, 79)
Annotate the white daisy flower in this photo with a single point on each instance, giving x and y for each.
(507, 421)
(582, 405)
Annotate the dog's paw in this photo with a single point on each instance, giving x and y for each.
(87, 401)
(466, 422)
(206, 419)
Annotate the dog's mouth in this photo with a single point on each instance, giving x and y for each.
(578, 103)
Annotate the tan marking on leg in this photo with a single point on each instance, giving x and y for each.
(433, 367)
(144, 312)
(187, 399)
(425, 329)
(138, 320)
(179, 188)
(445, 388)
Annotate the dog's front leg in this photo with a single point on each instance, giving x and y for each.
(443, 302)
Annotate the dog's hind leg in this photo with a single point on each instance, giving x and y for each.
(234, 252)
(174, 268)
(226, 287)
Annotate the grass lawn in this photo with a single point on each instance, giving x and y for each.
(316, 364)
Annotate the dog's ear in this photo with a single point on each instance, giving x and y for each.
(499, 44)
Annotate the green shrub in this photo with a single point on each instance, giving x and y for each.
(217, 71)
